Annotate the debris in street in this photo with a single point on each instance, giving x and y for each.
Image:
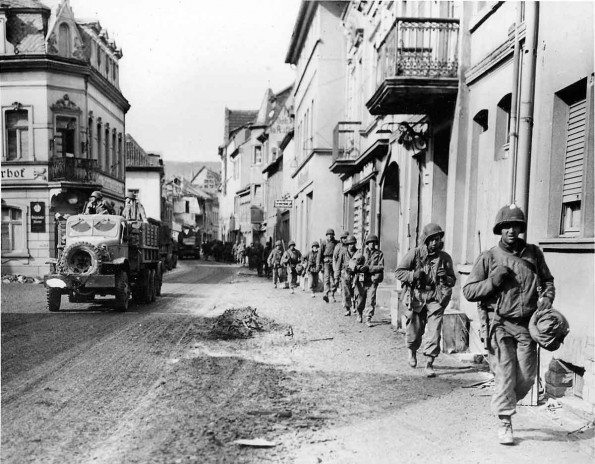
(488, 383)
(587, 426)
(552, 404)
(21, 279)
(255, 443)
(321, 339)
(241, 323)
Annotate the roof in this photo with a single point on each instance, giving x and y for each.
(272, 105)
(23, 4)
(234, 119)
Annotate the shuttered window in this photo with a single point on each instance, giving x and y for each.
(574, 166)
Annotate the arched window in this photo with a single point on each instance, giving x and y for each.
(390, 189)
(502, 127)
(64, 40)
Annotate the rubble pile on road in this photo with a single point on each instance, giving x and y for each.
(9, 278)
(240, 323)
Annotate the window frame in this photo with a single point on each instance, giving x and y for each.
(76, 130)
(31, 152)
(256, 148)
(22, 252)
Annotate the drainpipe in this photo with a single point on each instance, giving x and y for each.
(513, 135)
(523, 163)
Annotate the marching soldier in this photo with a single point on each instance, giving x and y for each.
(291, 259)
(512, 281)
(368, 265)
(344, 273)
(325, 262)
(428, 274)
(311, 267)
(274, 261)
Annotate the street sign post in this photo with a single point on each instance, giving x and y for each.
(284, 204)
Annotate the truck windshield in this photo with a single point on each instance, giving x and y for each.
(104, 227)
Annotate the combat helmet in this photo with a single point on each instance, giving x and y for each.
(278, 243)
(350, 240)
(97, 194)
(510, 214)
(330, 232)
(291, 242)
(372, 238)
(315, 244)
(430, 230)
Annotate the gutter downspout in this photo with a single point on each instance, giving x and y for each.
(513, 135)
(523, 163)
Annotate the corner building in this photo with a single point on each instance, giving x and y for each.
(63, 125)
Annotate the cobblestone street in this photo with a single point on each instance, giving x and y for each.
(323, 387)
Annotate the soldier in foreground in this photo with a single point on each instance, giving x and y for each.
(508, 278)
(344, 274)
(291, 259)
(97, 205)
(428, 277)
(368, 265)
(325, 262)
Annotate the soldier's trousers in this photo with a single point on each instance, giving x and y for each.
(330, 284)
(514, 359)
(292, 276)
(347, 291)
(313, 281)
(429, 318)
(276, 275)
(365, 298)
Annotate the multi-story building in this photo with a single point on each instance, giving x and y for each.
(523, 133)
(209, 181)
(390, 147)
(62, 118)
(317, 50)
(186, 199)
(144, 177)
(276, 115)
(241, 200)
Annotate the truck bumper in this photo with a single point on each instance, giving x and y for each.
(92, 281)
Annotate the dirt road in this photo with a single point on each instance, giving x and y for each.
(155, 385)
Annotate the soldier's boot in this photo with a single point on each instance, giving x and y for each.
(313, 295)
(325, 297)
(430, 372)
(505, 436)
(369, 321)
(412, 357)
(347, 312)
(359, 318)
(333, 297)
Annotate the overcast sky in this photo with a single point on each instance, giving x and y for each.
(186, 60)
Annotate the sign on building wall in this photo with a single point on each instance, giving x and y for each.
(284, 204)
(18, 173)
(37, 217)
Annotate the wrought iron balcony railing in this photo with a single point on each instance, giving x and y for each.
(346, 141)
(419, 47)
(73, 169)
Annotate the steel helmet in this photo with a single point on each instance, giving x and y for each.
(315, 244)
(278, 243)
(509, 214)
(345, 234)
(430, 230)
(372, 238)
(330, 232)
(97, 194)
(291, 242)
(131, 195)
(351, 240)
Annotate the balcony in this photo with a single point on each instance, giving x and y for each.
(346, 146)
(417, 68)
(73, 170)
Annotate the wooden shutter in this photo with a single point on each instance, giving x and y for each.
(575, 151)
(357, 215)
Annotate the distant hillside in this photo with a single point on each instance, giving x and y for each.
(187, 169)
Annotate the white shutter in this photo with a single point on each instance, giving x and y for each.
(357, 215)
(575, 150)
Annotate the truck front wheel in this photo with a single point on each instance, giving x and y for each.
(53, 299)
(122, 292)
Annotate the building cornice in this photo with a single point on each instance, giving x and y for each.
(300, 30)
(19, 63)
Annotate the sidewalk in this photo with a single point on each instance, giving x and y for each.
(391, 412)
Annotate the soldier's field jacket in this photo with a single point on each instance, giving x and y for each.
(274, 259)
(342, 262)
(434, 289)
(327, 248)
(310, 260)
(517, 297)
(374, 260)
(291, 258)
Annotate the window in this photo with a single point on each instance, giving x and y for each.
(64, 40)
(99, 53)
(502, 127)
(13, 231)
(17, 134)
(257, 154)
(105, 161)
(572, 188)
(65, 136)
(90, 139)
(115, 161)
(99, 140)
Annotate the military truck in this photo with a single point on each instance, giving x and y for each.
(189, 244)
(99, 255)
